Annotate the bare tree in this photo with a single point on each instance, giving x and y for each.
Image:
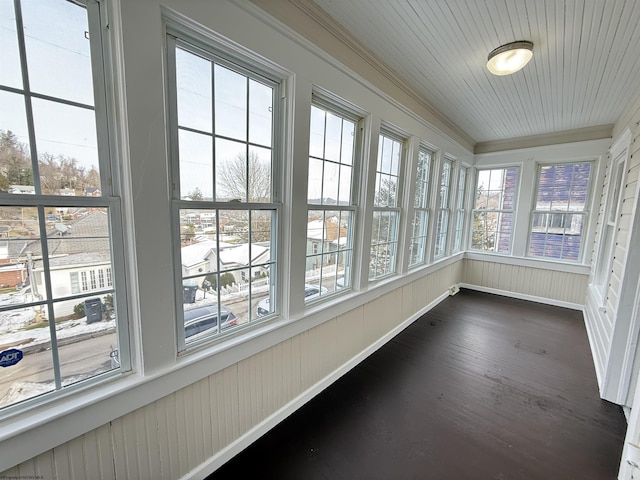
(242, 180)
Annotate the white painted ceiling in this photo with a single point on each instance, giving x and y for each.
(585, 68)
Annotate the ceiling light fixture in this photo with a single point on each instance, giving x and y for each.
(510, 58)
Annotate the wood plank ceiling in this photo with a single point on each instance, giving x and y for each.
(585, 69)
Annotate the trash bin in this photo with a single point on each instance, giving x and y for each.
(189, 293)
(93, 310)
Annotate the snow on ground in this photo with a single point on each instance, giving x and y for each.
(12, 323)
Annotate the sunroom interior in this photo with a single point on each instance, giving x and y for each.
(315, 185)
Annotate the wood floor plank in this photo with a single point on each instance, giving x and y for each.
(481, 387)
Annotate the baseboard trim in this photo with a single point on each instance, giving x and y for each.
(524, 296)
(234, 448)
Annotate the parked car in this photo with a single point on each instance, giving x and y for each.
(196, 321)
(310, 291)
(200, 319)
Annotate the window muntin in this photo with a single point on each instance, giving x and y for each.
(421, 210)
(493, 214)
(222, 129)
(560, 211)
(460, 203)
(442, 225)
(386, 211)
(330, 194)
(49, 145)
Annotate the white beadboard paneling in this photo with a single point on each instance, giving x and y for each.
(535, 282)
(167, 426)
(350, 334)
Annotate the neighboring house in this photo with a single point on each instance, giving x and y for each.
(92, 192)
(67, 192)
(23, 189)
(201, 258)
(245, 255)
(12, 274)
(324, 242)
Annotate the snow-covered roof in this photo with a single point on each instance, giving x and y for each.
(197, 252)
(240, 255)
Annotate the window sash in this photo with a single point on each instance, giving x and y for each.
(250, 71)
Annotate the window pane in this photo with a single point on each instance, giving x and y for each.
(230, 90)
(331, 183)
(333, 138)
(344, 198)
(383, 243)
(328, 251)
(193, 82)
(231, 170)
(260, 113)
(314, 188)
(15, 158)
(196, 166)
(67, 147)
(316, 134)
(57, 45)
(418, 238)
(10, 73)
(259, 174)
(348, 136)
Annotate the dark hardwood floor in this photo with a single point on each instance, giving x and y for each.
(481, 387)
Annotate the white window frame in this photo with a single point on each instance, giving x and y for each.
(443, 210)
(328, 103)
(585, 212)
(459, 236)
(109, 200)
(500, 211)
(394, 210)
(244, 63)
(421, 208)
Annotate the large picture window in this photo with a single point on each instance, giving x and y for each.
(58, 209)
(223, 122)
(386, 210)
(560, 212)
(493, 212)
(330, 198)
(421, 210)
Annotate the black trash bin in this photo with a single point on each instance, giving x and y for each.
(189, 293)
(93, 310)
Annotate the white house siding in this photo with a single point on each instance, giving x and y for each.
(200, 425)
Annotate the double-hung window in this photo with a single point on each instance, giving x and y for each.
(493, 214)
(442, 225)
(386, 207)
(560, 212)
(420, 225)
(330, 199)
(59, 211)
(223, 130)
(458, 236)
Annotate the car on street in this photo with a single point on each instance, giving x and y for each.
(310, 291)
(199, 320)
